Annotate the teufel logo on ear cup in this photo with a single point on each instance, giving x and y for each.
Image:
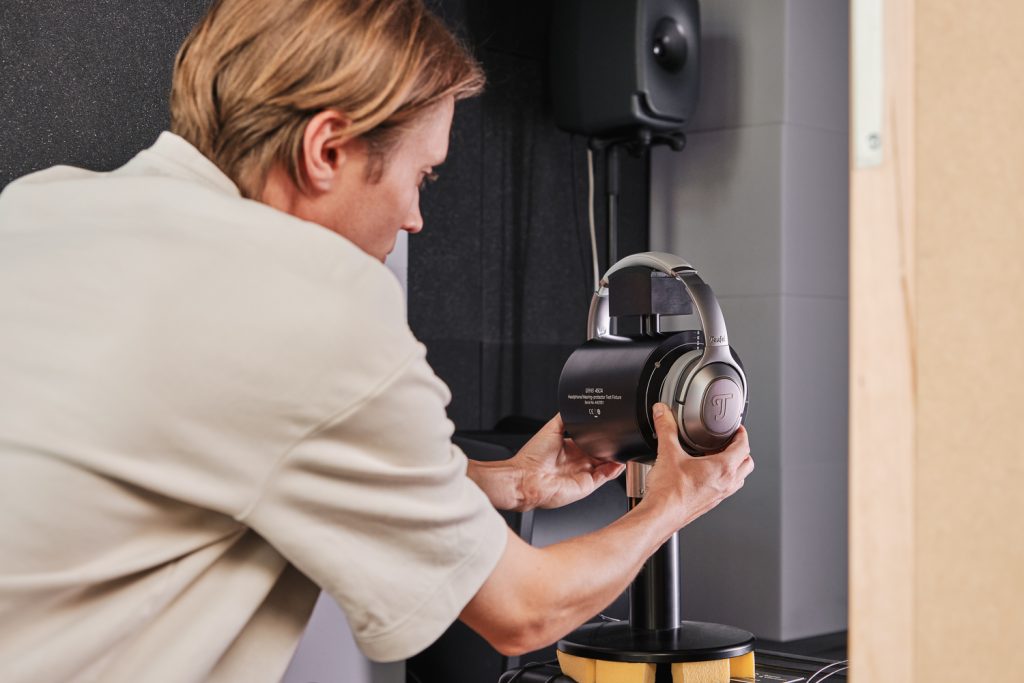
(721, 411)
(720, 402)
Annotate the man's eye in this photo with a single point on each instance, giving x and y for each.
(427, 179)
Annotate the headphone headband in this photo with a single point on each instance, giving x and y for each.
(710, 313)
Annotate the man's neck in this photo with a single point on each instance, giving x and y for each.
(280, 192)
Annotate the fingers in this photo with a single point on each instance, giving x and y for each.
(740, 438)
(605, 472)
(574, 448)
(746, 467)
(737, 449)
(739, 477)
(610, 470)
(735, 461)
(665, 425)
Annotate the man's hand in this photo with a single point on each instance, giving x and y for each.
(548, 472)
(554, 471)
(693, 485)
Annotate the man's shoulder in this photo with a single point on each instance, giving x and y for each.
(216, 266)
(23, 192)
(54, 174)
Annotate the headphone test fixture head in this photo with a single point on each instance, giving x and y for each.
(610, 384)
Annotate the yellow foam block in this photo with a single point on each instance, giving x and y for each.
(580, 669)
(742, 666)
(716, 671)
(624, 672)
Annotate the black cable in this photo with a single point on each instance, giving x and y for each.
(533, 665)
(611, 190)
(638, 143)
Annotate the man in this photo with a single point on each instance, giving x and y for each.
(212, 406)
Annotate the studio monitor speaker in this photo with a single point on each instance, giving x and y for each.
(622, 65)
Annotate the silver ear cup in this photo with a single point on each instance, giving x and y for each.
(707, 401)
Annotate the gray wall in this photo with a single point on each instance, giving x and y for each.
(758, 202)
(327, 653)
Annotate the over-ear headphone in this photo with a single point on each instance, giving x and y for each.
(610, 384)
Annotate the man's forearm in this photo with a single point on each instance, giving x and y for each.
(537, 595)
(501, 481)
(594, 569)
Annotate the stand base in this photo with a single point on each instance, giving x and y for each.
(693, 641)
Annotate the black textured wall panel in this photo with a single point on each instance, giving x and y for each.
(500, 279)
(85, 82)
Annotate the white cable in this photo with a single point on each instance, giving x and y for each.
(590, 214)
(840, 670)
(826, 668)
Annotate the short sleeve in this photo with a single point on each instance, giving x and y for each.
(375, 507)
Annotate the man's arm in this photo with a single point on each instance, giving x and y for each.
(502, 481)
(549, 471)
(537, 595)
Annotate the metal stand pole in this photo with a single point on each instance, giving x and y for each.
(654, 594)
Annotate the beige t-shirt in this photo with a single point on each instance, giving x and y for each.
(203, 402)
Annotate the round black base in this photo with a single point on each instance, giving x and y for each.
(693, 641)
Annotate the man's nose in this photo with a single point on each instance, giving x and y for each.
(414, 221)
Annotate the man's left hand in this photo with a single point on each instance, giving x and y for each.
(548, 472)
(554, 471)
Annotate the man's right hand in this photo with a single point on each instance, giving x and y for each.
(693, 485)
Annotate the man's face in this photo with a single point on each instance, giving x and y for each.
(370, 214)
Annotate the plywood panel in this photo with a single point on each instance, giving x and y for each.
(969, 510)
(937, 379)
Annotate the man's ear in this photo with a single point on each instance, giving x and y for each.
(324, 149)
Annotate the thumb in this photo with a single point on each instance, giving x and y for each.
(553, 426)
(665, 425)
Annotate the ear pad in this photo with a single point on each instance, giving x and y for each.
(708, 402)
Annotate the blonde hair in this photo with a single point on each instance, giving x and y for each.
(253, 72)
